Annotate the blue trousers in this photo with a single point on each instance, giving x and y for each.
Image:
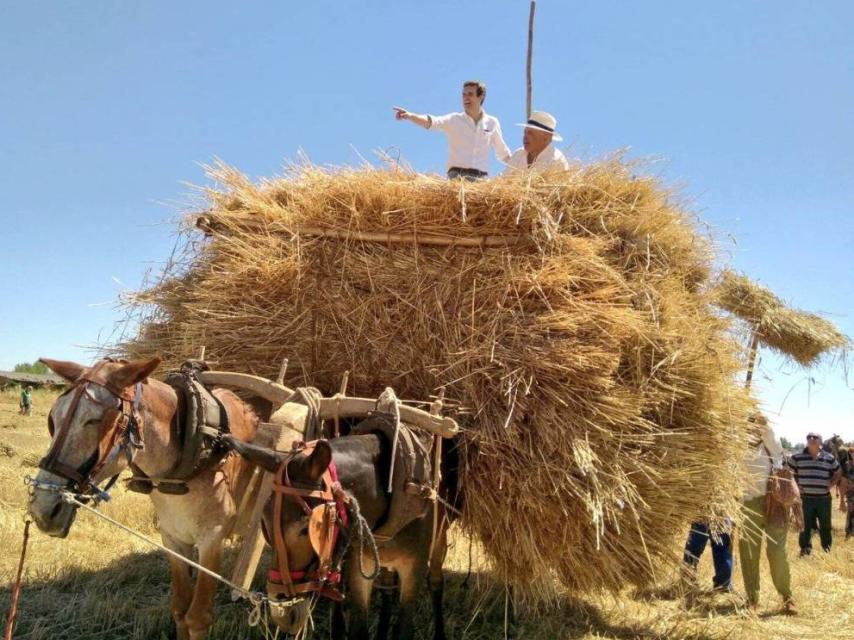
(721, 553)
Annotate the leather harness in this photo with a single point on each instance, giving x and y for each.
(325, 522)
(119, 422)
(202, 420)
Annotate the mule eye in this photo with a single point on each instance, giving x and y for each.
(303, 531)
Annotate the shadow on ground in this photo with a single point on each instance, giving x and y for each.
(129, 599)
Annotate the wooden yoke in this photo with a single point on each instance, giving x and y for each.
(339, 406)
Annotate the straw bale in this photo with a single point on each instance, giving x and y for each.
(801, 336)
(601, 413)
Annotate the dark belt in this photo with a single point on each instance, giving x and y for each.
(466, 174)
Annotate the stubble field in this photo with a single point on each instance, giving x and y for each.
(101, 583)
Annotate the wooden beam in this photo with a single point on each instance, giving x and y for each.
(339, 405)
(288, 426)
(361, 407)
(276, 393)
(210, 225)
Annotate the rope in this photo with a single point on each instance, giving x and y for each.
(361, 530)
(16, 588)
(72, 499)
(311, 397)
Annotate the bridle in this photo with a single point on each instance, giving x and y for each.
(119, 427)
(325, 522)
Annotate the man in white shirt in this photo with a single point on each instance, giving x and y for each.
(470, 133)
(764, 456)
(538, 151)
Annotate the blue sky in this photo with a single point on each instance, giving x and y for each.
(107, 110)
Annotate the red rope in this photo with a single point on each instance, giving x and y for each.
(16, 589)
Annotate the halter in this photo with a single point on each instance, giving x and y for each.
(325, 521)
(119, 421)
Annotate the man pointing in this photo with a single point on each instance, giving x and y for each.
(470, 133)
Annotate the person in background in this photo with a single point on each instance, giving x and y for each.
(537, 150)
(816, 472)
(26, 404)
(698, 537)
(847, 499)
(763, 457)
(470, 133)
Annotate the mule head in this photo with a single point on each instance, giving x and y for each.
(78, 422)
(304, 471)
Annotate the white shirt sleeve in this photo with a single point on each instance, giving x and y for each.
(518, 160)
(501, 148)
(773, 446)
(440, 123)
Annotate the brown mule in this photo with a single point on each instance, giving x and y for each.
(88, 426)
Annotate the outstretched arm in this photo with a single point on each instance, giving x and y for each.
(423, 120)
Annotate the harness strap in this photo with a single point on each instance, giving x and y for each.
(281, 579)
(115, 423)
(278, 535)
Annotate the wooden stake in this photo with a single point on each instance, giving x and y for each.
(751, 360)
(530, 55)
(280, 379)
(202, 353)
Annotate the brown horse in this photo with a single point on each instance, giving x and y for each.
(90, 445)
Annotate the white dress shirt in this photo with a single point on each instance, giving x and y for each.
(760, 462)
(549, 158)
(469, 141)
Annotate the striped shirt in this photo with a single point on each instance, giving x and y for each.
(814, 475)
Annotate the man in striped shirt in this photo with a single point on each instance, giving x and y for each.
(816, 472)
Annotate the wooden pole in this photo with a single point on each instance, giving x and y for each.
(530, 55)
(751, 360)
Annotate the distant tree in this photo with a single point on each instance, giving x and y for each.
(787, 444)
(35, 367)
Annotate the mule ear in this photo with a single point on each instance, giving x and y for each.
(63, 368)
(267, 459)
(134, 371)
(318, 462)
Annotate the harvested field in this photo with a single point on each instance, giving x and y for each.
(569, 314)
(98, 583)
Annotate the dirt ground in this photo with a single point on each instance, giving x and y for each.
(100, 583)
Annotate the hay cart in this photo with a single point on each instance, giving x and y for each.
(304, 414)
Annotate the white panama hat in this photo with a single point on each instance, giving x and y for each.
(542, 121)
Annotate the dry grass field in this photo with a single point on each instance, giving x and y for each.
(99, 583)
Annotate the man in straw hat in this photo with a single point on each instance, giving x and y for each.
(817, 472)
(470, 133)
(537, 151)
(763, 456)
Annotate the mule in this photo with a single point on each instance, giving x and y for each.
(361, 463)
(86, 450)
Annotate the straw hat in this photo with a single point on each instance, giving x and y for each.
(542, 121)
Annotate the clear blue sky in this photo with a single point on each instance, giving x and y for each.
(106, 109)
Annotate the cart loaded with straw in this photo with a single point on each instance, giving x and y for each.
(572, 318)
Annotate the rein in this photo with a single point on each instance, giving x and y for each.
(119, 427)
(325, 522)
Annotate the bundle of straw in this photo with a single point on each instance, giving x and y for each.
(804, 337)
(567, 313)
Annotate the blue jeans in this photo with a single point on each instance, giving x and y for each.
(721, 553)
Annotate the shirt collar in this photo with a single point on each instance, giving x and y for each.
(480, 123)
